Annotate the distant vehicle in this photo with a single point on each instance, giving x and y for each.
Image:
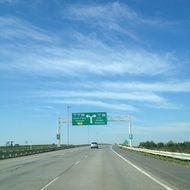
(94, 145)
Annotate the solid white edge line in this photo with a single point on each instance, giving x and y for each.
(49, 183)
(142, 171)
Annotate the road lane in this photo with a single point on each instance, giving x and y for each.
(82, 169)
(103, 170)
(33, 172)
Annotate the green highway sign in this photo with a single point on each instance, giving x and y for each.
(130, 136)
(58, 136)
(126, 141)
(90, 118)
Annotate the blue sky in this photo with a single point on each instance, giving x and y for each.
(121, 57)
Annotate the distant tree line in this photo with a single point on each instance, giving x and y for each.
(169, 146)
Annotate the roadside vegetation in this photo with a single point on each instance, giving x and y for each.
(185, 163)
(17, 151)
(170, 146)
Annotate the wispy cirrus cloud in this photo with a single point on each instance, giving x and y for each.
(148, 94)
(175, 86)
(88, 53)
(89, 57)
(106, 95)
(117, 17)
(113, 93)
(94, 103)
(107, 17)
(99, 60)
(42, 108)
(15, 28)
(152, 87)
(108, 12)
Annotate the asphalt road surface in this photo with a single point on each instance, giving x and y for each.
(97, 169)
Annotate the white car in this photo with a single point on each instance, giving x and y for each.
(94, 145)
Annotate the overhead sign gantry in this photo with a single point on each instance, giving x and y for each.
(92, 118)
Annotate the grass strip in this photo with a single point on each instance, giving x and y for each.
(185, 163)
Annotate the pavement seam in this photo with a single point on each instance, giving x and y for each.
(142, 171)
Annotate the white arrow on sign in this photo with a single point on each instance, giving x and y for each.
(93, 116)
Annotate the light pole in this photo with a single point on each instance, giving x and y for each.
(58, 132)
(130, 133)
(97, 136)
(88, 134)
(68, 107)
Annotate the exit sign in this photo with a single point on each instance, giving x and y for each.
(89, 118)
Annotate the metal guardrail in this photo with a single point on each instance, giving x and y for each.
(177, 155)
(20, 151)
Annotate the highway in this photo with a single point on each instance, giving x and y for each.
(97, 169)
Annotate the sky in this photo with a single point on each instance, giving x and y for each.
(121, 57)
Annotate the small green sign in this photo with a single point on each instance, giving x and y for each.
(130, 136)
(126, 141)
(90, 118)
(58, 136)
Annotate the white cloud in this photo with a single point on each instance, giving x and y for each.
(89, 61)
(43, 108)
(89, 58)
(15, 28)
(150, 95)
(166, 86)
(95, 103)
(106, 17)
(116, 16)
(108, 12)
(89, 55)
(106, 95)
